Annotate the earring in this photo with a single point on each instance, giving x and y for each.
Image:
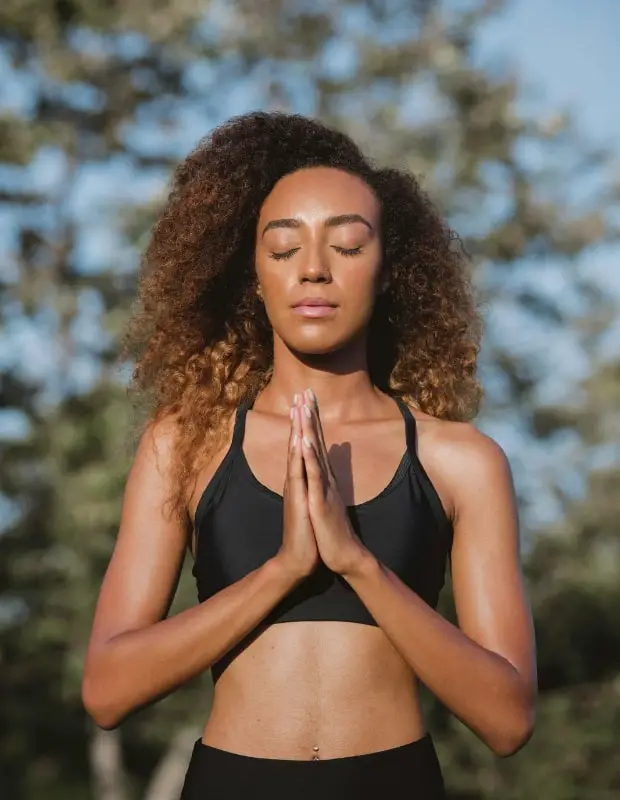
(259, 293)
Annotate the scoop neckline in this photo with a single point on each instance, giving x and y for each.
(394, 481)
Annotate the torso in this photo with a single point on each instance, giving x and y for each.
(337, 686)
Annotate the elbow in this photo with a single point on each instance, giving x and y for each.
(99, 705)
(514, 734)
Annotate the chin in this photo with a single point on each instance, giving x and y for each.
(315, 350)
(321, 345)
(322, 338)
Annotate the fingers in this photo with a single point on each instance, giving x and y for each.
(313, 430)
(295, 455)
(316, 470)
(307, 428)
(316, 420)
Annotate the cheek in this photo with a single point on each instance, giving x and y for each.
(274, 292)
(360, 283)
(272, 276)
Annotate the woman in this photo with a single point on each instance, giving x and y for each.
(308, 341)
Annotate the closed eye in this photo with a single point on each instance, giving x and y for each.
(343, 251)
(284, 255)
(351, 251)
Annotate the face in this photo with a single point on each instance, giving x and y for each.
(318, 259)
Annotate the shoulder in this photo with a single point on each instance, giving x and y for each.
(158, 442)
(461, 444)
(468, 462)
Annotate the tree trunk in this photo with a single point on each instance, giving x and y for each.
(167, 780)
(106, 762)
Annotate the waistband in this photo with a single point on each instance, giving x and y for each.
(412, 768)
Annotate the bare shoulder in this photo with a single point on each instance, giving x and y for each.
(462, 443)
(157, 443)
(461, 458)
(151, 484)
(152, 472)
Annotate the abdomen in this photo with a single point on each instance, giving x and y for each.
(338, 686)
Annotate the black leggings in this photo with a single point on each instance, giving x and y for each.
(411, 770)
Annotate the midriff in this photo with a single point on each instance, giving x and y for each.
(307, 689)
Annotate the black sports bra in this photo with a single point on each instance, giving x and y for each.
(239, 527)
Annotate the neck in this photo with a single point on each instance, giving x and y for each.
(340, 380)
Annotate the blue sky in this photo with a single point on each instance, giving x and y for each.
(567, 52)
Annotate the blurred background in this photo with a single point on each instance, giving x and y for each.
(509, 113)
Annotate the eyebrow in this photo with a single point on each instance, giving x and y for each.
(330, 222)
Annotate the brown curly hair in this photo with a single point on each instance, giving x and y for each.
(199, 337)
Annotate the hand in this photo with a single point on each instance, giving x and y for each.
(339, 547)
(298, 552)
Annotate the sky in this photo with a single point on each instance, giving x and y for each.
(566, 55)
(567, 51)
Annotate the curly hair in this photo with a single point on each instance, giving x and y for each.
(199, 337)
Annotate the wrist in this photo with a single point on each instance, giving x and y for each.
(365, 564)
(283, 571)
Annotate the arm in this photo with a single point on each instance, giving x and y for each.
(135, 655)
(484, 672)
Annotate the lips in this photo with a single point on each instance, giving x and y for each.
(314, 307)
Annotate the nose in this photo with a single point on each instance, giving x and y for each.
(315, 268)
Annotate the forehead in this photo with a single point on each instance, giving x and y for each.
(319, 192)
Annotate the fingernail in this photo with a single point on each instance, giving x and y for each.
(310, 395)
(307, 442)
(307, 412)
(292, 413)
(295, 439)
(295, 399)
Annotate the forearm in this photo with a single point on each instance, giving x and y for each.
(480, 687)
(135, 668)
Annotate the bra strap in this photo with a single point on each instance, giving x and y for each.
(215, 488)
(433, 499)
(410, 427)
(239, 426)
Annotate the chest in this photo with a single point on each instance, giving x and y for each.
(363, 457)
